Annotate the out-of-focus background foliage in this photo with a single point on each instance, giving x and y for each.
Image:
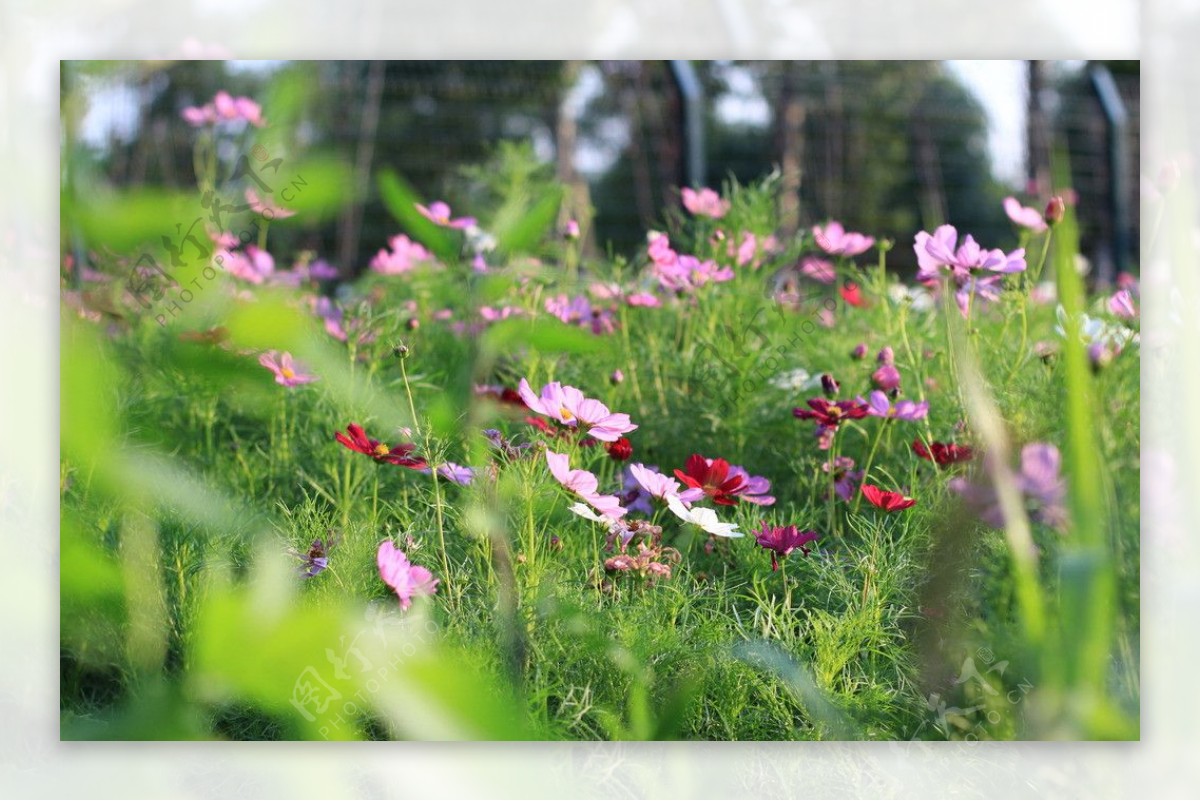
(881, 146)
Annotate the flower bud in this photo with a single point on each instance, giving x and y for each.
(860, 351)
(617, 377)
(620, 450)
(886, 355)
(1055, 210)
(829, 385)
(886, 378)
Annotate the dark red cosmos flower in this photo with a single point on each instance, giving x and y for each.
(359, 442)
(713, 478)
(782, 540)
(830, 413)
(943, 453)
(500, 394)
(887, 501)
(620, 450)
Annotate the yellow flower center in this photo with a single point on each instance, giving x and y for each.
(288, 372)
(566, 414)
(382, 450)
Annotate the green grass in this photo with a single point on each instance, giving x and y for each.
(187, 474)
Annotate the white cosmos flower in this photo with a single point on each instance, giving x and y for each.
(704, 518)
(583, 511)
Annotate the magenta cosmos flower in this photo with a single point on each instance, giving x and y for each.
(705, 203)
(583, 484)
(439, 213)
(568, 406)
(837, 241)
(286, 371)
(406, 579)
(1024, 216)
(782, 540)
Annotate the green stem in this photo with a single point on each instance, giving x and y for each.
(870, 460)
(437, 490)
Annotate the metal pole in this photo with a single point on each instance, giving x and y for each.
(692, 93)
(1118, 127)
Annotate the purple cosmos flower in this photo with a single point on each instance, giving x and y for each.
(1039, 481)
(454, 473)
(880, 406)
(633, 495)
(406, 579)
(584, 484)
(705, 203)
(1024, 216)
(845, 478)
(287, 372)
(568, 406)
(316, 559)
(782, 540)
(754, 489)
(403, 256)
(837, 241)
(439, 213)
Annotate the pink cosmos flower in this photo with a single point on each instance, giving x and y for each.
(408, 580)
(567, 405)
(747, 250)
(1121, 304)
(936, 252)
(439, 213)
(837, 241)
(705, 203)
(818, 270)
(286, 371)
(643, 299)
(1024, 216)
(584, 484)
(403, 256)
(253, 266)
(968, 265)
(663, 487)
(265, 207)
(224, 107)
(493, 315)
(579, 311)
